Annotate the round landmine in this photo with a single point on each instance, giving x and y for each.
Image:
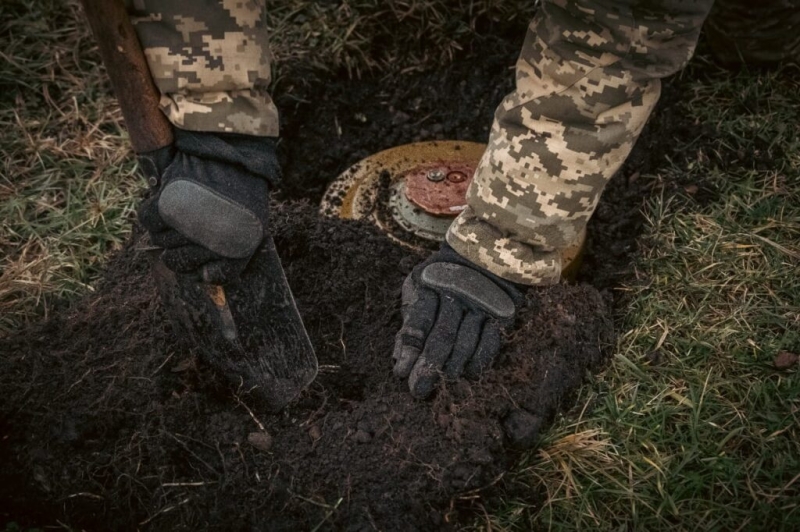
(413, 192)
(355, 192)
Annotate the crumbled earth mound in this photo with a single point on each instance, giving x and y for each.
(109, 423)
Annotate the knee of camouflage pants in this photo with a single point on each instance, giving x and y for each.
(587, 79)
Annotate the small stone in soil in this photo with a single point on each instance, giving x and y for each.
(260, 440)
(362, 436)
(522, 428)
(184, 365)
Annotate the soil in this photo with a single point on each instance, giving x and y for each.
(109, 422)
(112, 422)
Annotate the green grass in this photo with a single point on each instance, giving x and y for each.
(691, 427)
(67, 186)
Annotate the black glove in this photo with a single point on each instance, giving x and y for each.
(453, 314)
(209, 209)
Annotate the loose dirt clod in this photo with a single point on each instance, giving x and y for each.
(260, 440)
(93, 408)
(785, 360)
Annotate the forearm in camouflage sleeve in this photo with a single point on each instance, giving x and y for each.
(211, 61)
(587, 79)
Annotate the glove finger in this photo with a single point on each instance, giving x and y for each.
(469, 334)
(438, 347)
(169, 239)
(419, 313)
(187, 258)
(149, 216)
(485, 353)
(404, 356)
(223, 271)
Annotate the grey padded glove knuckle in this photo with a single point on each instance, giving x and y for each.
(470, 286)
(234, 232)
(210, 202)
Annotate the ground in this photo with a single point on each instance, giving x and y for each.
(109, 422)
(140, 408)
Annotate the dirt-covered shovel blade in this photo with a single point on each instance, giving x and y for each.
(250, 330)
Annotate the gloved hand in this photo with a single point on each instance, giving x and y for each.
(209, 209)
(453, 314)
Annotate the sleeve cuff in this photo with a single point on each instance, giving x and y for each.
(483, 244)
(247, 112)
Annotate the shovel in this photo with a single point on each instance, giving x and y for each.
(250, 330)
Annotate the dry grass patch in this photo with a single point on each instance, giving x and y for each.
(66, 182)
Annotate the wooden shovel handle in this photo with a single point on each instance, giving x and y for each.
(130, 76)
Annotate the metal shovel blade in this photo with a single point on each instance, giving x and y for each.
(249, 330)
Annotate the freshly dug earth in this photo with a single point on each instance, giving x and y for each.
(113, 424)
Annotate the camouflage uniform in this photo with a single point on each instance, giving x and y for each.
(587, 79)
(211, 61)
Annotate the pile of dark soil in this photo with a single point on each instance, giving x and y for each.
(111, 423)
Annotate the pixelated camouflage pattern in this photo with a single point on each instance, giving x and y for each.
(587, 79)
(211, 61)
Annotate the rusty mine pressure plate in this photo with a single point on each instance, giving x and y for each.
(413, 192)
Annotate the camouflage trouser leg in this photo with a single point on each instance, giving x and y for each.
(211, 61)
(587, 79)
